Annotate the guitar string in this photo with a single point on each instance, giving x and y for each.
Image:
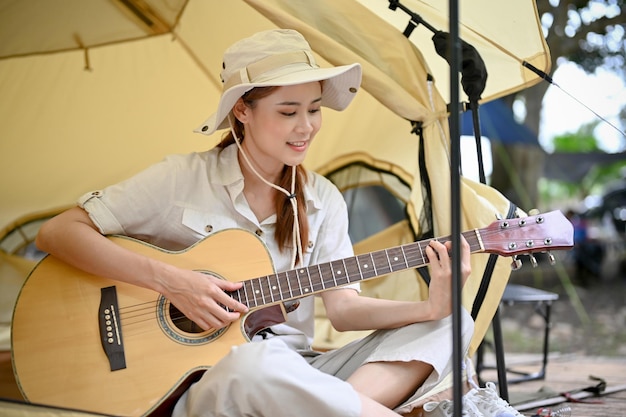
(145, 311)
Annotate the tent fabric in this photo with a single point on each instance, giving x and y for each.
(140, 99)
(84, 118)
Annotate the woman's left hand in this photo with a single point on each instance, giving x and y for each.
(440, 288)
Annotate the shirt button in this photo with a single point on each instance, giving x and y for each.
(208, 228)
(96, 193)
(310, 244)
(258, 232)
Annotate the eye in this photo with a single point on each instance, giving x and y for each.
(313, 111)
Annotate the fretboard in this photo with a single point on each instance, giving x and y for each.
(296, 283)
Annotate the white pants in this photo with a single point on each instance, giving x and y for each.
(268, 379)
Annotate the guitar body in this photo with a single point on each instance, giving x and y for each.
(57, 352)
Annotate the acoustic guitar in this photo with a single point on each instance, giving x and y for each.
(89, 343)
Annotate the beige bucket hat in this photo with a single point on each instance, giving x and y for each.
(278, 57)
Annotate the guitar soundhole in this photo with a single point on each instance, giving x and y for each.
(181, 329)
(182, 322)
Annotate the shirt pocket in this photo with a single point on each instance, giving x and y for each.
(205, 223)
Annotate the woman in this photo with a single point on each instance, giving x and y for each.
(254, 180)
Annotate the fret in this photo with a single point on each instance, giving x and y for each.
(331, 272)
(396, 259)
(304, 284)
(338, 272)
(358, 264)
(423, 246)
(326, 273)
(415, 259)
(302, 288)
(311, 285)
(313, 273)
(288, 284)
(407, 253)
(254, 292)
(281, 295)
(258, 292)
(367, 268)
(313, 277)
(381, 263)
(261, 290)
(406, 262)
(271, 287)
(245, 292)
(317, 282)
(386, 252)
(294, 286)
(352, 269)
(419, 245)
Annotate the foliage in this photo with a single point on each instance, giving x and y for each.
(571, 142)
(591, 33)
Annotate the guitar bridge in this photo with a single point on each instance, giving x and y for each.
(111, 328)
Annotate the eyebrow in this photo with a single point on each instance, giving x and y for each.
(296, 103)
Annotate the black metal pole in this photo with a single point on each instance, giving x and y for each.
(455, 209)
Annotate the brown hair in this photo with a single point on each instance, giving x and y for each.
(284, 211)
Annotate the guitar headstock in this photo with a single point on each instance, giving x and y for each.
(526, 235)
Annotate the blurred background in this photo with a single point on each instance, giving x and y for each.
(572, 158)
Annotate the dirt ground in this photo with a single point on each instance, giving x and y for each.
(589, 318)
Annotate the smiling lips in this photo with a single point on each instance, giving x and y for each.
(299, 145)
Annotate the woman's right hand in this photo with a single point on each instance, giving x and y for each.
(202, 298)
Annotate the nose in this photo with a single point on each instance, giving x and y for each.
(306, 123)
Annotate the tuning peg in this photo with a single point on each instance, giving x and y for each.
(551, 258)
(533, 260)
(516, 264)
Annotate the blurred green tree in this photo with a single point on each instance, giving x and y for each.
(590, 33)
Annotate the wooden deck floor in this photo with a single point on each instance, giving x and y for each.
(568, 373)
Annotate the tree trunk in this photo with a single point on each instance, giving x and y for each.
(518, 168)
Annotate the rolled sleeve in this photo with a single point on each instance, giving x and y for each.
(99, 213)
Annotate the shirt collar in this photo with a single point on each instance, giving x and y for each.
(227, 172)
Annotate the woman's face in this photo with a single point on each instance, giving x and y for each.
(280, 127)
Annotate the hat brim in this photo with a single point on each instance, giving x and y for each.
(340, 87)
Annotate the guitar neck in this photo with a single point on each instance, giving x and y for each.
(296, 283)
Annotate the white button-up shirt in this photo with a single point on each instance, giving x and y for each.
(185, 198)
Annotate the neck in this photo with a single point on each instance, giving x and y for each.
(254, 172)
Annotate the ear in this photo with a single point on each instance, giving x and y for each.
(240, 110)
